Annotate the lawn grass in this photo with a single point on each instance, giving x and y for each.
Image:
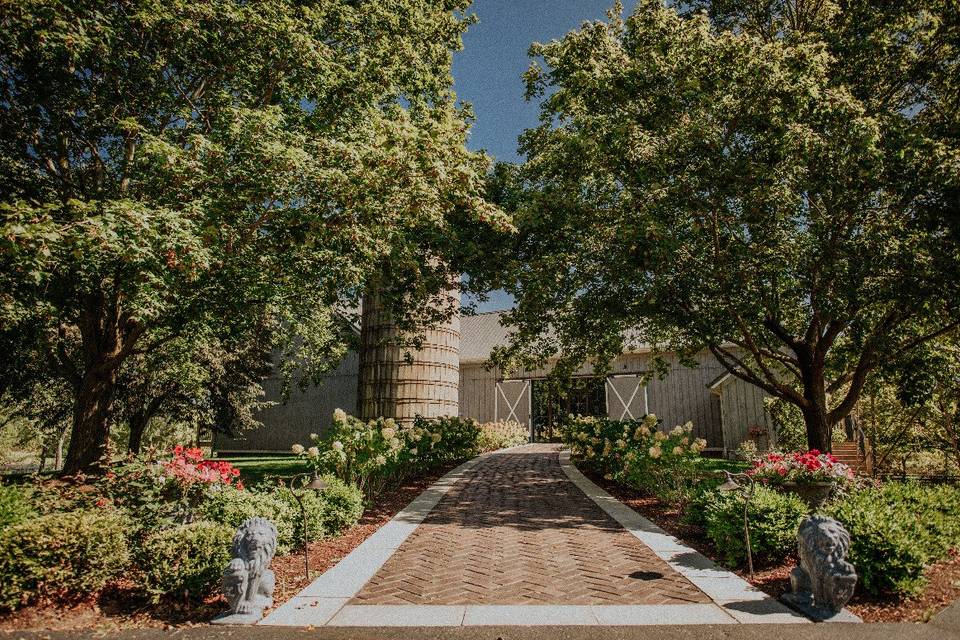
(716, 465)
(255, 470)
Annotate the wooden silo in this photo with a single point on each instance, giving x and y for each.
(400, 382)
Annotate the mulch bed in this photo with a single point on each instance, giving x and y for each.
(943, 585)
(122, 606)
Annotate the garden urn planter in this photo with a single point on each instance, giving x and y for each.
(813, 493)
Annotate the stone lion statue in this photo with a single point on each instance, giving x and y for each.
(248, 582)
(824, 572)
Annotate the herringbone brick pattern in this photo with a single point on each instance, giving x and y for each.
(517, 531)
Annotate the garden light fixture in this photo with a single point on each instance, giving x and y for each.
(730, 485)
(315, 484)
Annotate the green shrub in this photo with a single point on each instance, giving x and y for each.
(896, 531)
(15, 505)
(328, 512)
(188, 559)
(343, 506)
(231, 507)
(74, 553)
(377, 453)
(774, 520)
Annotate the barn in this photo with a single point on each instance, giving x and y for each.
(722, 408)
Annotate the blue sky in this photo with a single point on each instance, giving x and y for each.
(487, 72)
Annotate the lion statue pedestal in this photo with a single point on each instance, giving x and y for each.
(248, 582)
(824, 581)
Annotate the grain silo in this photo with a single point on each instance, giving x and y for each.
(400, 382)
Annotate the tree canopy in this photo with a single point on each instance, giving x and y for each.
(777, 182)
(176, 168)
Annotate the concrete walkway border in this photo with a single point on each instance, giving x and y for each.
(324, 601)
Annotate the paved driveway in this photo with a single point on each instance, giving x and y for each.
(520, 537)
(517, 531)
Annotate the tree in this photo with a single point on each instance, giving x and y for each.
(773, 181)
(176, 168)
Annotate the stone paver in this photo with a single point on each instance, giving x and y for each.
(516, 531)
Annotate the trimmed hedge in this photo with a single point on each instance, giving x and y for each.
(328, 513)
(232, 507)
(896, 531)
(62, 553)
(188, 559)
(774, 519)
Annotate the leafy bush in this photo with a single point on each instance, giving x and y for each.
(897, 530)
(232, 507)
(15, 505)
(379, 452)
(500, 435)
(328, 512)
(188, 559)
(76, 552)
(342, 506)
(638, 453)
(158, 493)
(774, 520)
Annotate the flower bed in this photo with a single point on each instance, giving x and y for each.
(374, 454)
(637, 453)
(800, 467)
(165, 525)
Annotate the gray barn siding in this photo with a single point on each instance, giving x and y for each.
(681, 396)
(306, 412)
(742, 407)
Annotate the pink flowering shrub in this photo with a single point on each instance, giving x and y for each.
(800, 467)
(188, 467)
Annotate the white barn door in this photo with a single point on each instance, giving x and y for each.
(512, 402)
(626, 398)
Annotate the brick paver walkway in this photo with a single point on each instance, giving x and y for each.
(517, 531)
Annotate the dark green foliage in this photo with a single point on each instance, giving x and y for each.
(188, 559)
(15, 505)
(231, 507)
(328, 512)
(896, 531)
(61, 553)
(774, 519)
(342, 506)
(704, 179)
(172, 174)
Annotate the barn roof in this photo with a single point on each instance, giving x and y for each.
(481, 332)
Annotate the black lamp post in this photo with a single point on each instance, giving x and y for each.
(731, 485)
(314, 484)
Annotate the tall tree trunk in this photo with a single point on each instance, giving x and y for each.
(819, 430)
(91, 420)
(139, 422)
(138, 425)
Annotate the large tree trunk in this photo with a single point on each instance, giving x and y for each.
(819, 430)
(91, 421)
(816, 413)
